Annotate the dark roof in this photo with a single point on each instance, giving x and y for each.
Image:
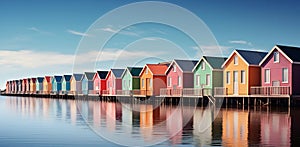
(135, 71)
(186, 65)
(57, 78)
(117, 72)
(215, 62)
(89, 75)
(102, 74)
(252, 57)
(40, 79)
(292, 52)
(77, 77)
(67, 77)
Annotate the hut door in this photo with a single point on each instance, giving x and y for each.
(235, 82)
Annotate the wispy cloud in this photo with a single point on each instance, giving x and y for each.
(123, 32)
(78, 33)
(212, 50)
(240, 42)
(34, 29)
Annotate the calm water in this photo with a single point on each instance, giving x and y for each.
(52, 122)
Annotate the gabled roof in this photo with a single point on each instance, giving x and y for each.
(67, 77)
(133, 71)
(40, 79)
(184, 65)
(156, 69)
(251, 58)
(102, 74)
(28, 80)
(77, 77)
(213, 62)
(33, 80)
(117, 72)
(57, 78)
(48, 79)
(89, 75)
(290, 52)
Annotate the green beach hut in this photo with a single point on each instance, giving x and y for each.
(131, 79)
(208, 73)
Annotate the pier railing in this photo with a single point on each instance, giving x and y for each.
(220, 91)
(192, 92)
(270, 90)
(170, 92)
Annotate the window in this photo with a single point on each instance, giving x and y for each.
(276, 57)
(108, 84)
(143, 83)
(207, 79)
(179, 80)
(129, 83)
(267, 75)
(284, 75)
(243, 76)
(227, 77)
(197, 80)
(235, 60)
(174, 68)
(203, 65)
(146, 71)
(169, 81)
(150, 82)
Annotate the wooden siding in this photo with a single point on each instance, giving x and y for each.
(276, 70)
(202, 73)
(242, 88)
(174, 77)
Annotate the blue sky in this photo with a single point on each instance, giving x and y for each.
(32, 31)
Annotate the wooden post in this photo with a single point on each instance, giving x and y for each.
(254, 101)
(289, 101)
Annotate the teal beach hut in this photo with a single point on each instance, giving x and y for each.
(87, 82)
(131, 79)
(56, 84)
(65, 84)
(208, 73)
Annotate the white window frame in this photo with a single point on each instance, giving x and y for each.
(169, 81)
(150, 82)
(174, 68)
(129, 83)
(179, 81)
(287, 75)
(143, 83)
(197, 80)
(235, 60)
(243, 76)
(227, 77)
(267, 76)
(276, 56)
(203, 65)
(207, 79)
(146, 71)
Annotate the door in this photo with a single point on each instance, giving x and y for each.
(235, 82)
(275, 88)
(148, 86)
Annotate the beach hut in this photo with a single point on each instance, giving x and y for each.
(131, 79)
(114, 81)
(33, 85)
(280, 71)
(152, 79)
(208, 73)
(24, 85)
(56, 84)
(76, 85)
(39, 84)
(20, 85)
(28, 85)
(241, 72)
(179, 75)
(100, 82)
(66, 87)
(47, 85)
(16, 86)
(7, 87)
(87, 82)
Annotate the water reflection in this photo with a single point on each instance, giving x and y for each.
(231, 127)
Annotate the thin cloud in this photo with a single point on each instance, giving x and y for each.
(243, 42)
(78, 33)
(211, 50)
(123, 32)
(34, 29)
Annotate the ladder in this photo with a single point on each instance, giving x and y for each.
(211, 99)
